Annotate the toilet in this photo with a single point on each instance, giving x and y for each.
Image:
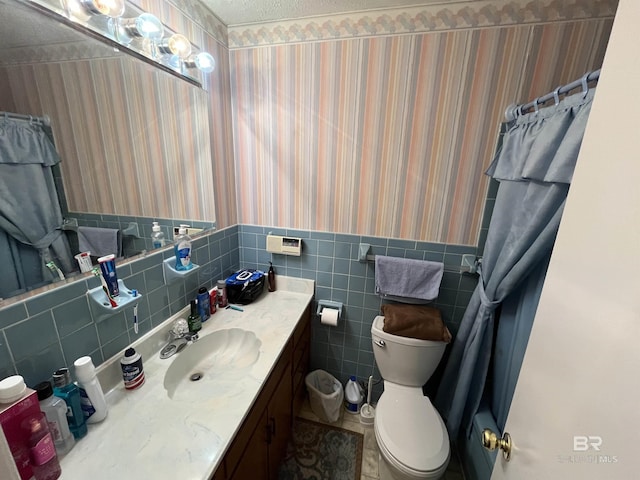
(412, 438)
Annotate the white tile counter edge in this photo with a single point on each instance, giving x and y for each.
(148, 435)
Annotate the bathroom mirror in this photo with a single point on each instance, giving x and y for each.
(133, 138)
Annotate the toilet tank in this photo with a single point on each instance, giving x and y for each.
(403, 360)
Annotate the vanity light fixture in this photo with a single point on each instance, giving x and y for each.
(125, 23)
(203, 61)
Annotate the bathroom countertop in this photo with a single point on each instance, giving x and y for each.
(148, 435)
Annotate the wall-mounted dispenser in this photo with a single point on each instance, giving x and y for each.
(284, 245)
(329, 312)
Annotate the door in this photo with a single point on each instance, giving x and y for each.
(575, 412)
(280, 422)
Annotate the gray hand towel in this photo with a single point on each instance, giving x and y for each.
(404, 277)
(100, 241)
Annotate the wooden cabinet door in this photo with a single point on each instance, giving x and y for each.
(279, 422)
(254, 463)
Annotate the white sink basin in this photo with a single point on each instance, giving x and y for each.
(213, 364)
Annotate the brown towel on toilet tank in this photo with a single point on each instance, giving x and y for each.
(415, 321)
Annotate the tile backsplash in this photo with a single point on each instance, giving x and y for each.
(332, 261)
(52, 329)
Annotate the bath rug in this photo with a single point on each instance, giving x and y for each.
(322, 452)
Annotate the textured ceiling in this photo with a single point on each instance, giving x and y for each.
(238, 12)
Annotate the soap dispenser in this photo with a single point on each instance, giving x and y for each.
(271, 278)
(157, 236)
(182, 249)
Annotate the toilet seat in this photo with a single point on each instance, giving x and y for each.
(410, 433)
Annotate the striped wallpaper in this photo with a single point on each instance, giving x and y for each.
(390, 135)
(118, 125)
(135, 141)
(373, 124)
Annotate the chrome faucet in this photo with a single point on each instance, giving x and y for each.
(179, 338)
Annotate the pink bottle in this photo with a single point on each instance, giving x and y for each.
(42, 450)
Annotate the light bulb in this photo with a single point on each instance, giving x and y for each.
(84, 9)
(176, 44)
(179, 45)
(149, 26)
(145, 25)
(203, 61)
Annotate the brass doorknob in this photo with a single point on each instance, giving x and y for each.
(491, 441)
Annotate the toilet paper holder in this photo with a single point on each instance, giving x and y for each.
(329, 304)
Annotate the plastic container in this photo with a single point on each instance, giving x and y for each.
(94, 405)
(42, 451)
(69, 392)
(132, 369)
(12, 388)
(353, 395)
(204, 308)
(222, 293)
(84, 261)
(325, 395)
(182, 250)
(55, 409)
(158, 239)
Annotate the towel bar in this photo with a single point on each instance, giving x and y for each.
(470, 264)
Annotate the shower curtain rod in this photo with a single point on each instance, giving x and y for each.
(514, 110)
(44, 120)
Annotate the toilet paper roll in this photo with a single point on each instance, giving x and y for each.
(329, 317)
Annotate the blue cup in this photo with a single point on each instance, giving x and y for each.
(108, 268)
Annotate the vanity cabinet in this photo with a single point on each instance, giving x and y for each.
(261, 442)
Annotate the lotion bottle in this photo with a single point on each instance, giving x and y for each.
(42, 451)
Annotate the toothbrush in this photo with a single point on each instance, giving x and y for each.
(54, 269)
(135, 318)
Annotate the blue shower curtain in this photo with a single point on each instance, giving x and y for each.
(30, 213)
(534, 167)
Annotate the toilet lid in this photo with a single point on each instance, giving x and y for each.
(411, 430)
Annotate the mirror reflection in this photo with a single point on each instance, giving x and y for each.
(116, 143)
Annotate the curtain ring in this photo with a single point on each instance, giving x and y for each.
(536, 109)
(556, 96)
(585, 86)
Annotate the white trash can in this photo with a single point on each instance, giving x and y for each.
(326, 395)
